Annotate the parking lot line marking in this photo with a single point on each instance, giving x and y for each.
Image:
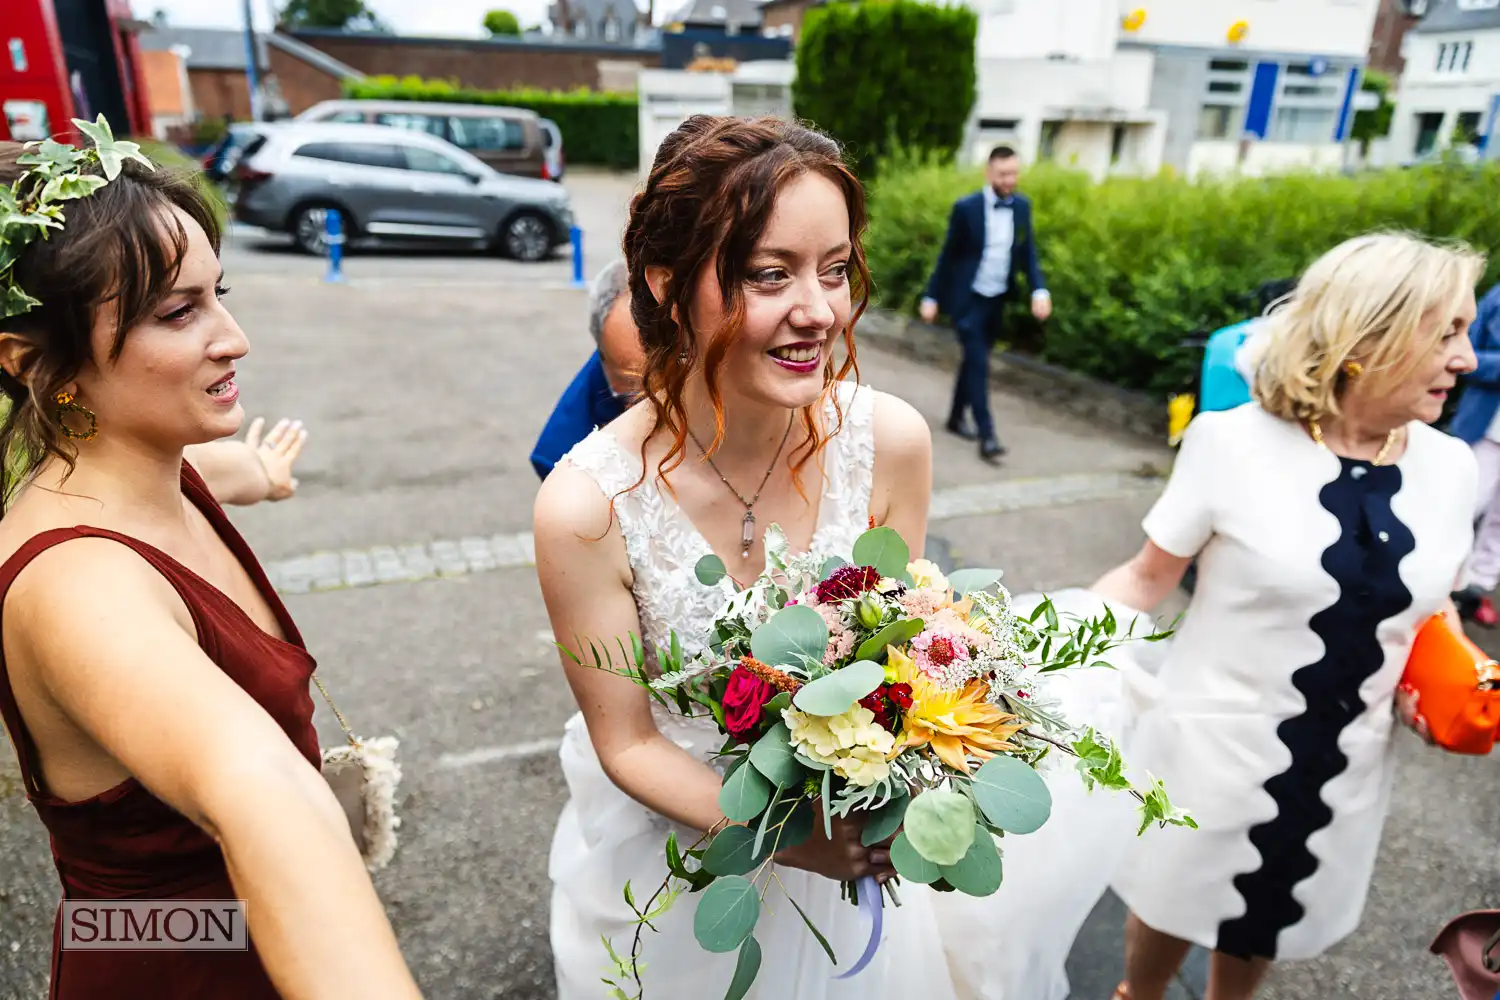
(410, 563)
(489, 755)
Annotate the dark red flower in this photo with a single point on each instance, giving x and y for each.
(876, 703)
(900, 694)
(744, 698)
(846, 583)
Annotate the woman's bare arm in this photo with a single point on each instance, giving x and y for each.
(249, 471)
(99, 636)
(1145, 580)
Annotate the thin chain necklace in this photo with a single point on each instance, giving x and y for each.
(1380, 456)
(747, 526)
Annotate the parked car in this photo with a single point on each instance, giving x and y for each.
(219, 162)
(552, 141)
(393, 184)
(508, 139)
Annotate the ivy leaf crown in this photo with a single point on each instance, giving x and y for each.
(33, 206)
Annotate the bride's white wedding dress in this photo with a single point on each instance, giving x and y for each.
(605, 838)
(936, 946)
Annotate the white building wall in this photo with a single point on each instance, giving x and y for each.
(1037, 29)
(1330, 28)
(669, 97)
(1450, 89)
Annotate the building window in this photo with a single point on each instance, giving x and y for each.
(1429, 125)
(1453, 57)
(1047, 145)
(1302, 125)
(1478, 4)
(1117, 144)
(998, 124)
(1466, 129)
(611, 29)
(1219, 121)
(1228, 66)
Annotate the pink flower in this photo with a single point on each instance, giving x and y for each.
(935, 650)
(922, 603)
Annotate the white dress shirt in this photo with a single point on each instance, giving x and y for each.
(993, 276)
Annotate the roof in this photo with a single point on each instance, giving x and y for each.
(1460, 15)
(313, 57)
(210, 48)
(742, 12)
(551, 43)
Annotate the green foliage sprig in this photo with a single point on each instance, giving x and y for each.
(32, 207)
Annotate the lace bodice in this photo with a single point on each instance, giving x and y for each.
(664, 547)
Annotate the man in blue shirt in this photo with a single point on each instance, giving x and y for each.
(990, 243)
(608, 381)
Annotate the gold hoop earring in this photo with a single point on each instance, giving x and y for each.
(1353, 369)
(65, 406)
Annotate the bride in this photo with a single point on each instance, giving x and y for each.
(746, 278)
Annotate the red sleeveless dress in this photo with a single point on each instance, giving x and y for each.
(125, 843)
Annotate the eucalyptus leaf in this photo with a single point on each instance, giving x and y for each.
(831, 566)
(970, 581)
(791, 636)
(884, 549)
(827, 812)
(980, 871)
(827, 948)
(733, 852)
(774, 757)
(939, 824)
(745, 794)
(910, 865)
(710, 570)
(726, 914)
(893, 634)
(1011, 795)
(837, 692)
(886, 820)
(745, 970)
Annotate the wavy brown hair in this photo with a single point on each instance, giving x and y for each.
(120, 246)
(706, 203)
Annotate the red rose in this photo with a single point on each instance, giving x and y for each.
(744, 698)
(846, 583)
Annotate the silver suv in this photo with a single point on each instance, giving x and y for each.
(393, 184)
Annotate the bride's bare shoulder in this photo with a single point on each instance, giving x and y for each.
(901, 432)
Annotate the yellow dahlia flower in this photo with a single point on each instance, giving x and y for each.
(956, 724)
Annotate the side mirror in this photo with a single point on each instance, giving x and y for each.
(474, 178)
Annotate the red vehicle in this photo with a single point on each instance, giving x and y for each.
(65, 59)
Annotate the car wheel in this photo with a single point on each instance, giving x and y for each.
(310, 230)
(527, 237)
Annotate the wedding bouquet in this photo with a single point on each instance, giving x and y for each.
(876, 687)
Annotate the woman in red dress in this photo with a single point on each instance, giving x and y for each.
(153, 685)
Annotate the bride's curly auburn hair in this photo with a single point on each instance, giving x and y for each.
(706, 203)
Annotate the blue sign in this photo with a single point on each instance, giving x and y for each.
(1317, 66)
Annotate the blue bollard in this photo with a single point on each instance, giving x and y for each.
(333, 235)
(576, 235)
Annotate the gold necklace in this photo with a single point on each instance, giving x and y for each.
(1380, 456)
(747, 526)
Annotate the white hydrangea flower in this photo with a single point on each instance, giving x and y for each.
(850, 742)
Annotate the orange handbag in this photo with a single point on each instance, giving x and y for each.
(1457, 688)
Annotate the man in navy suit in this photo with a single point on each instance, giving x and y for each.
(608, 381)
(991, 241)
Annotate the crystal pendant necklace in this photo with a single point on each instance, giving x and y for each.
(747, 526)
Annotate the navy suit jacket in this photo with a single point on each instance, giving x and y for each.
(952, 281)
(1481, 387)
(586, 403)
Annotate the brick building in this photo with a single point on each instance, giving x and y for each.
(488, 63)
(1393, 20)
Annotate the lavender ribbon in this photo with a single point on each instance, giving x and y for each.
(872, 904)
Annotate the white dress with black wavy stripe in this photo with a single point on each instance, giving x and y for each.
(1274, 719)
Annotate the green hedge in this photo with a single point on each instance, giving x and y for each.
(1134, 265)
(877, 76)
(601, 129)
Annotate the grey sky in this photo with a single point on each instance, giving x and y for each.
(455, 18)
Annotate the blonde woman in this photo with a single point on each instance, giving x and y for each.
(1329, 521)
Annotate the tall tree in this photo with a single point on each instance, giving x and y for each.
(887, 77)
(501, 22)
(343, 15)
